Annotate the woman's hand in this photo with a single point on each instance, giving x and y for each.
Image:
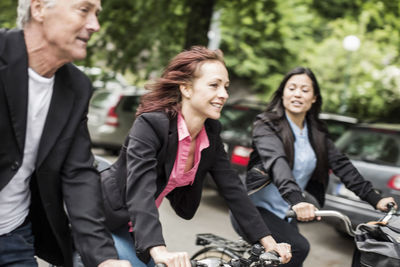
(305, 211)
(160, 254)
(382, 204)
(283, 249)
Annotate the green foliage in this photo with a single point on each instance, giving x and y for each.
(365, 82)
(252, 41)
(261, 41)
(8, 13)
(140, 36)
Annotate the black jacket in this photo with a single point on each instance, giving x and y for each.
(143, 169)
(64, 171)
(273, 143)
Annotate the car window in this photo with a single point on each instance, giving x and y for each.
(130, 103)
(101, 100)
(336, 128)
(374, 146)
(238, 118)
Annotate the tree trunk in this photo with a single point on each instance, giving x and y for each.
(198, 22)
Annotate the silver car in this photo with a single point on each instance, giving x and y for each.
(374, 149)
(111, 115)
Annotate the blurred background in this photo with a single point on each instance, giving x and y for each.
(352, 46)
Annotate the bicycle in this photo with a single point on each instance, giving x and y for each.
(377, 242)
(257, 258)
(218, 250)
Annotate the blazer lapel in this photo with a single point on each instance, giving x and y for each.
(59, 112)
(172, 147)
(14, 78)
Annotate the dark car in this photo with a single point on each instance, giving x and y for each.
(337, 124)
(237, 123)
(374, 149)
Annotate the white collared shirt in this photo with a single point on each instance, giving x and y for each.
(15, 196)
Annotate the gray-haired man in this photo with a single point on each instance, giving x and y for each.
(45, 157)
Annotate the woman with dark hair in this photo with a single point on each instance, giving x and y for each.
(173, 143)
(291, 146)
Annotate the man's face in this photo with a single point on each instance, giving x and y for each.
(68, 25)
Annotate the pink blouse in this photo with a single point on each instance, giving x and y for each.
(178, 177)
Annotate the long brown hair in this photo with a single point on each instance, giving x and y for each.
(164, 94)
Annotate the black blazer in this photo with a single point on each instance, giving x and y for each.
(143, 169)
(64, 169)
(273, 143)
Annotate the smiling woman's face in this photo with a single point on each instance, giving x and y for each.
(298, 95)
(207, 94)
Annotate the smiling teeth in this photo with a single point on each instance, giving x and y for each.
(216, 105)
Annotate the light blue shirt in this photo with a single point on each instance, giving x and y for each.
(304, 165)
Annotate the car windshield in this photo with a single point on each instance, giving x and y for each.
(238, 118)
(336, 128)
(371, 145)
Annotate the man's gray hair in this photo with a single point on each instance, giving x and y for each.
(24, 11)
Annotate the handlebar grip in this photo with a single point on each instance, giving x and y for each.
(194, 263)
(271, 258)
(291, 214)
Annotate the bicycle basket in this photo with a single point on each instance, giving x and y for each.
(378, 243)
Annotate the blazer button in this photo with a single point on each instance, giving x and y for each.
(15, 166)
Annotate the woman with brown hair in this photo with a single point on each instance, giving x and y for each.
(174, 142)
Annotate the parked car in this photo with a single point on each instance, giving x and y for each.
(237, 122)
(337, 124)
(111, 115)
(374, 149)
(102, 79)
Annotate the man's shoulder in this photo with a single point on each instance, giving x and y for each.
(2, 40)
(2, 32)
(74, 74)
(11, 36)
(75, 71)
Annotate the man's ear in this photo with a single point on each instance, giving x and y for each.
(37, 10)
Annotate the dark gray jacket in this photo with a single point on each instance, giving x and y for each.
(273, 143)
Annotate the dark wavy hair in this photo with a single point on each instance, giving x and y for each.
(275, 108)
(164, 94)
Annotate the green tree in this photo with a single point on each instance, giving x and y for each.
(252, 41)
(198, 22)
(8, 13)
(141, 36)
(366, 82)
(261, 41)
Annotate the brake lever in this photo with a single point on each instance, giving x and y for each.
(392, 210)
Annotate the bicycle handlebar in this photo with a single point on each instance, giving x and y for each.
(194, 263)
(345, 219)
(329, 213)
